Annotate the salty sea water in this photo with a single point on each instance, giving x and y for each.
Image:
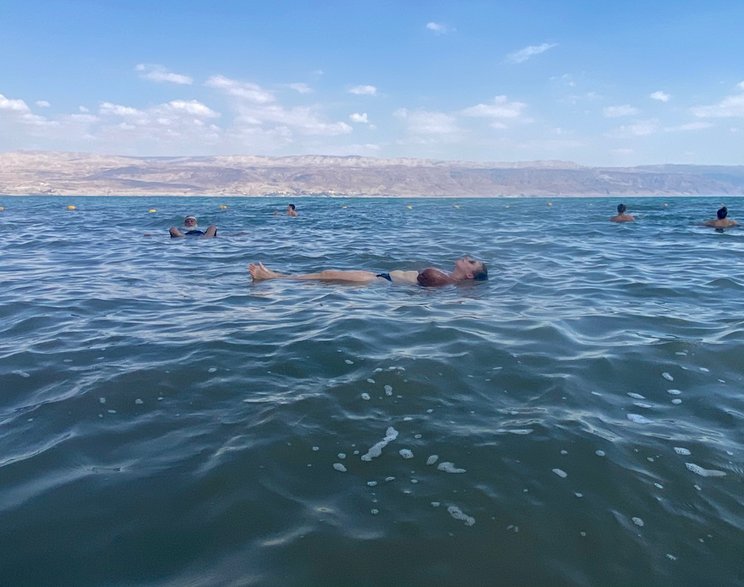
(576, 420)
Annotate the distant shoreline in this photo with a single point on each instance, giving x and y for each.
(82, 174)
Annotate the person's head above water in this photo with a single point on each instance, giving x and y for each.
(722, 212)
(472, 268)
(621, 208)
(189, 221)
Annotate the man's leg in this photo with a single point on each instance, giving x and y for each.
(260, 272)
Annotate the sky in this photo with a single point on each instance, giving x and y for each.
(594, 82)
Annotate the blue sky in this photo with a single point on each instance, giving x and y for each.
(597, 83)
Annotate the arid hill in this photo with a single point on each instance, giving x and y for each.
(88, 174)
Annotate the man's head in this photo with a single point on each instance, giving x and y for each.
(189, 221)
(472, 268)
(291, 207)
(621, 208)
(722, 212)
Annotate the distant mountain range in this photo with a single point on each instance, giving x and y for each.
(28, 172)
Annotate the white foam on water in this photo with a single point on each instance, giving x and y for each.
(643, 405)
(458, 514)
(389, 479)
(212, 369)
(374, 511)
(658, 486)
(564, 451)
(578, 494)
(676, 402)
(638, 522)
(520, 431)
(435, 504)
(721, 381)
(316, 448)
(638, 419)
(101, 400)
(698, 470)
(417, 436)
(408, 419)
(667, 376)
(432, 459)
(671, 557)
(681, 353)
(339, 467)
(376, 450)
(682, 451)
(370, 380)
(342, 455)
(636, 395)
(704, 370)
(388, 390)
(674, 392)
(448, 467)
(365, 397)
(348, 361)
(560, 472)
(371, 483)
(599, 453)
(406, 453)
(378, 370)
(596, 393)
(139, 402)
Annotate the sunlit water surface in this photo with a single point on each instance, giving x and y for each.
(576, 420)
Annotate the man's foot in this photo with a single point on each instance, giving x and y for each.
(259, 272)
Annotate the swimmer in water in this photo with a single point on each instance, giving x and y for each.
(292, 210)
(466, 268)
(721, 221)
(191, 229)
(621, 215)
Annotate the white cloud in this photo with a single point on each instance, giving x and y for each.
(425, 122)
(363, 90)
(191, 107)
(13, 105)
(360, 118)
(528, 52)
(18, 111)
(438, 28)
(158, 73)
(641, 128)
(498, 111)
(619, 111)
(260, 115)
(42, 104)
(244, 90)
(729, 107)
(107, 108)
(690, 126)
(301, 88)
(660, 96)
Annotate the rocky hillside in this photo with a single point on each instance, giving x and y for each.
(80, 174)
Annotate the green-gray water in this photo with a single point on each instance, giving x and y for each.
(576, 420)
